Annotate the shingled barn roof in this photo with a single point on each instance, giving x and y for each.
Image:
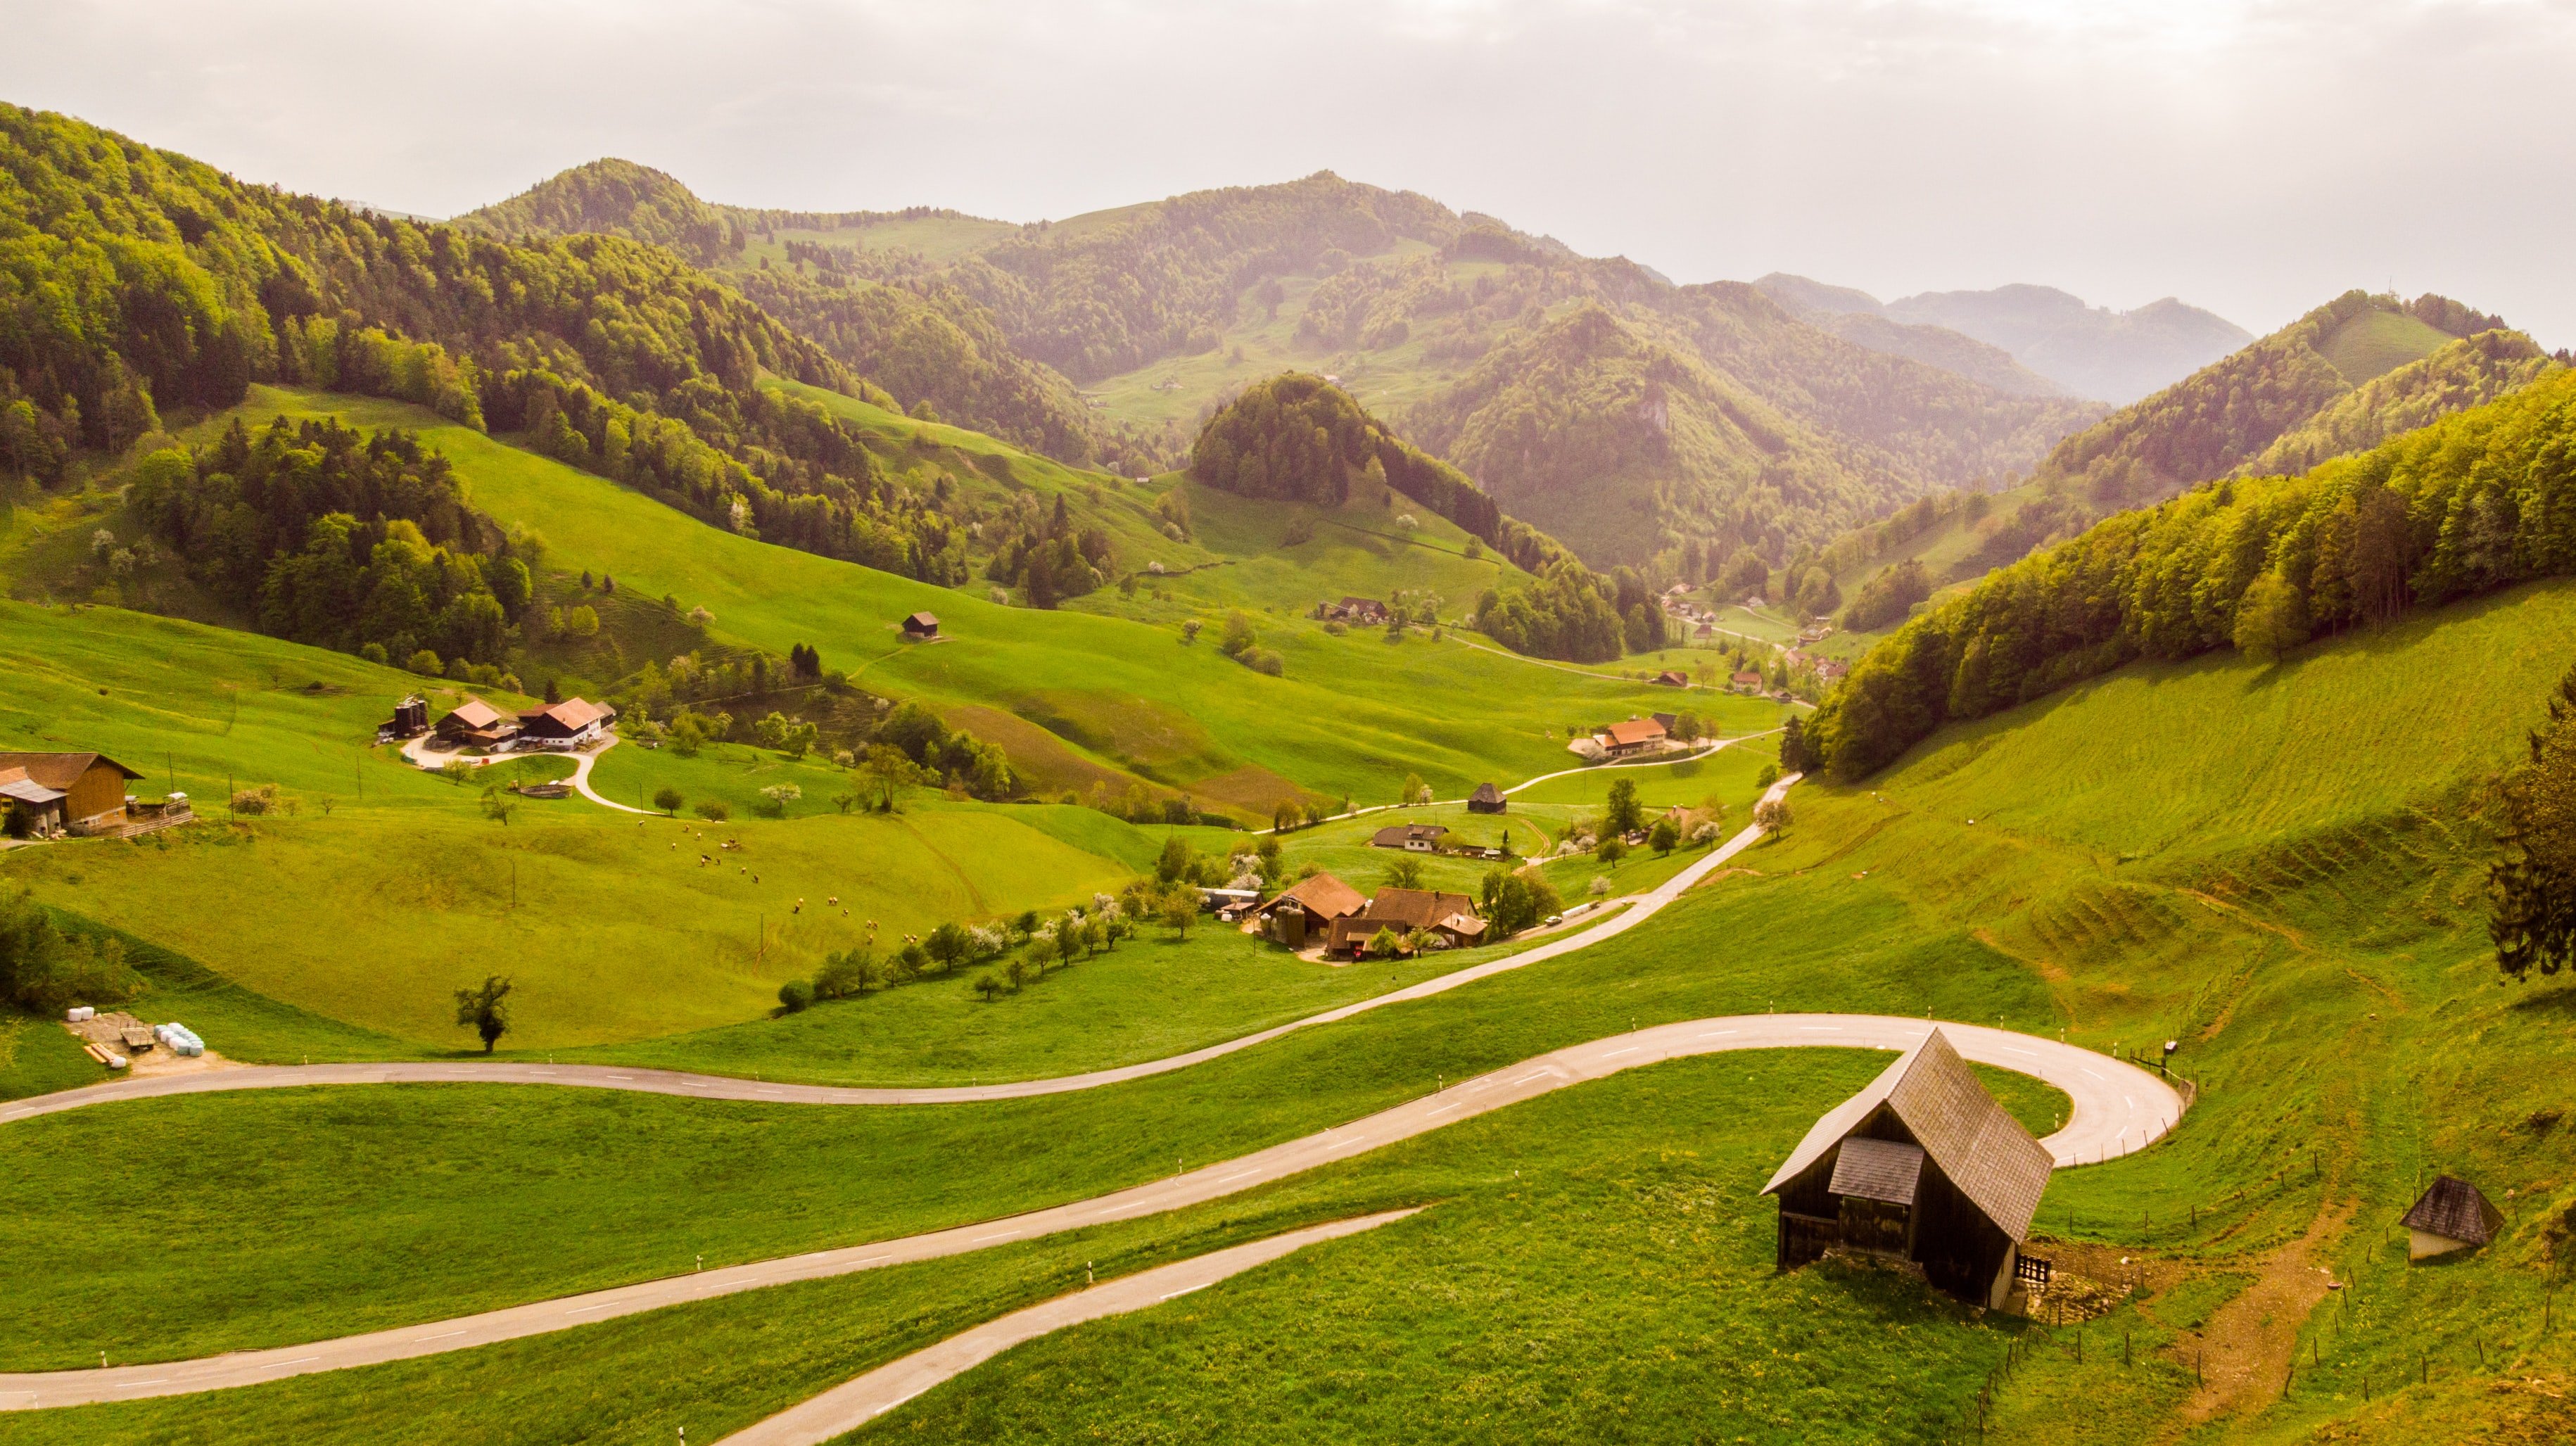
(2455, 1210)
(1980, 1147)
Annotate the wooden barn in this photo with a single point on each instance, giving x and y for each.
(567, 724)
(921, 625)
(477, 724)
(1451, 916)
(1308, 908)
(1922, 1166)
(1486, 799)
(44, 794)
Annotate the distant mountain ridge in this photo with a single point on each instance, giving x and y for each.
(2089, 351)
(992, 324)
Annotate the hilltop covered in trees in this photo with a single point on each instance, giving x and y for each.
(938, 351)
(136, 279)
(331, 537)
(1298, 438)
(2225, 415)
(1714, 417)
(2479, 500)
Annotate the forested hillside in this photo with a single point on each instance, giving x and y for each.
(1297, 438)
(939, 352)
(138, 280)
(2226, 414)
(2479, 500)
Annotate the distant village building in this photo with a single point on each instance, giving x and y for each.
(1420, 838)
(1747, 681)
(1486, 799)
(1668, 678)
(1634, 736)
(921, 625)
(567, 724)
(1587, 748)
(1669, 720)
(1366, 611)
(477, 724)
(1307, 909)
(1451, 917)
(48, 794)
(2453, 1215)
(1922, 1166)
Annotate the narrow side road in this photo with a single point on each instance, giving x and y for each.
(847, 1407)
(2118, 1110)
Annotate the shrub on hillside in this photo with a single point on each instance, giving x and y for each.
(45, 969)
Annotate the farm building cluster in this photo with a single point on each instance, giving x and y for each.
(570, 724)
(1628, 738)
(78, 795)
(1322, 906)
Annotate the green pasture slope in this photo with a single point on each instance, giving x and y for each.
(2278, 867)
(1076, 698)
(387, 887)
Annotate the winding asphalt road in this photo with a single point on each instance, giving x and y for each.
(727, 1087)
(2118, 1109)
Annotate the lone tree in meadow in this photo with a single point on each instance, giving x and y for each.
(1180, 910)
(1665, 836)
(2533, 883)
(668, 799)
(1773, 815)
(1623, 815)
(1405, 873)
(483, 1010)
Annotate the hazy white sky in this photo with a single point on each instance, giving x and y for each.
(2254, 158)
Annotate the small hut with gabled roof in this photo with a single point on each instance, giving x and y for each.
(1924, 1166)
(1486, 799)
(2453, 1215)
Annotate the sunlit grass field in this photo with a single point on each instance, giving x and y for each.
(2322, 964)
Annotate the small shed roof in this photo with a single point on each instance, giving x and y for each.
(14, 783)
(1465, 926)
(1981, 1148)
(1396, 835)
(923, 620)
(1485, 793)
(1878, 1170)
(2455, 1210)
(1671, 679)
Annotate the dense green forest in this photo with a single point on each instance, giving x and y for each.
(1618, 432)
(1298, 438)
(1163, 278)
(2479, 500)
(136, 280)
(333, 537)
(2228, 413)
(926, 342)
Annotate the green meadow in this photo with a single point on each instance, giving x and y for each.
(2318, 951)
(1076, 697)
(1625, 1204)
